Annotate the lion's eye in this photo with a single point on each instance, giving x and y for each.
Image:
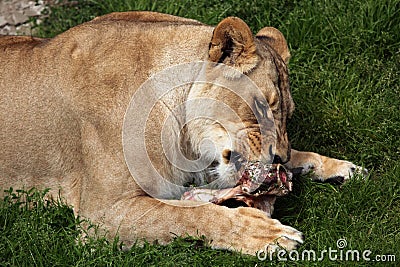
(261, 108)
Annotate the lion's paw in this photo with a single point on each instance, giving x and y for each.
(339, 171)
(289, 238)
(256, 232)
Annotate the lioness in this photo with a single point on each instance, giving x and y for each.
(62, 108)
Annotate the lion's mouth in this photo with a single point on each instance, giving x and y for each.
(258, 185)
(265, 179)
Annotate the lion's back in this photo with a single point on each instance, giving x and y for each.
(157, 20)
(145, 16)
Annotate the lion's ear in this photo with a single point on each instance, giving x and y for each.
(233, 44)
(275, 39)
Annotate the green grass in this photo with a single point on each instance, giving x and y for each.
(345, 76)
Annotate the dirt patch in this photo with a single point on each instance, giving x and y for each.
(18, 16)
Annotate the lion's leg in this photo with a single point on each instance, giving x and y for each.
(323, 168)
(245, 229)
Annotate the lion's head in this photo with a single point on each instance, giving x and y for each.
(212, 115)
(244, 125)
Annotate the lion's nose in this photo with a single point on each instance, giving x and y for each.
(277, 160)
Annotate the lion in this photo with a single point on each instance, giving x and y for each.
(62, 108)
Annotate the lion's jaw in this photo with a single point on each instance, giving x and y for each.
(225, 151)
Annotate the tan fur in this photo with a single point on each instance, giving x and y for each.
(234, 32)
(277, 41)
(63, 102)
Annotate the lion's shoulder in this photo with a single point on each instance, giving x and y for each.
(145, 16)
